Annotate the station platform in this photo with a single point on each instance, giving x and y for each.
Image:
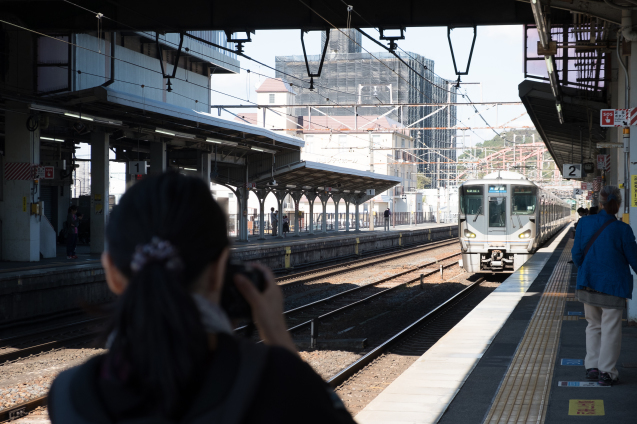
(30, 289)
(285, 254)
(516, 358)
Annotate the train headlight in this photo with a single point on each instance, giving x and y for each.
(469, 234)
(525, 235)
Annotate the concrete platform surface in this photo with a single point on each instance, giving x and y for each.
(516, 358)
(425, 391)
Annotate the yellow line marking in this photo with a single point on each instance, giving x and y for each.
(524, 392)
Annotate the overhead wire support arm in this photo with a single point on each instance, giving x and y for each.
(307, 64)
(453, 56)
(390, 50)
(160, 56)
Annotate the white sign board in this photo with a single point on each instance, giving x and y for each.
(577, 192)
(572, 170)
(618, 117)
(137, 167)
(370, 192)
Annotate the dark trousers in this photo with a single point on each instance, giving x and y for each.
(71, 242)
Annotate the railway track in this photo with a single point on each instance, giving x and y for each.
(329, 307)
(80, 332)
(286, 282)
(416, 338)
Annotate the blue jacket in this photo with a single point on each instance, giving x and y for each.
(605, 268)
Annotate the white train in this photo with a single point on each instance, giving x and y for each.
(502, 220)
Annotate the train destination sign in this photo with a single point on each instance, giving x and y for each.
(497, 189)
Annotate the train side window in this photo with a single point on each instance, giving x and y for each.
(524, 200)
(471, 200)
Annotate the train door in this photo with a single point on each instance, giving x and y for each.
(497, 212)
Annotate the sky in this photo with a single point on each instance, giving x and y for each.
(497, 63)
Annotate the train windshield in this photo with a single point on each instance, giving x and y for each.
(471, 200)
(524, 200)
(497, 212)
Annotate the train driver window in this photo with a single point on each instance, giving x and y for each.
(524, 200)
(497, 212)
(471, 200)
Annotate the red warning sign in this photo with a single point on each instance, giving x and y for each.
(608, 118)
(618, 117)
(48, 172)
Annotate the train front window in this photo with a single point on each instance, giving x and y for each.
(524, 200)
(497, 212)
(471, 200)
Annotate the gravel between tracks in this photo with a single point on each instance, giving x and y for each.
(318, 289)
(363, 387)
(30, 378)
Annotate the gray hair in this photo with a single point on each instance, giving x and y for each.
(609, 193)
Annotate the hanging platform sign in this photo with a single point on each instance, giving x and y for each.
(137, 167)
(572, 170)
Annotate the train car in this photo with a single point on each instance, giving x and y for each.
(503, 219)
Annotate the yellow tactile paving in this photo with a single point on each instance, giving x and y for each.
(524, 391)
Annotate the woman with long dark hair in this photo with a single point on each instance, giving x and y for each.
(172, 355)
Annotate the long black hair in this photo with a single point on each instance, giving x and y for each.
(160, 346)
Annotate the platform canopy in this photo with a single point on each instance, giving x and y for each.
(251, 15)
(576, 140)
(134, 121)
(320, 177)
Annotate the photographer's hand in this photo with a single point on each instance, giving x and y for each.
(267, 309)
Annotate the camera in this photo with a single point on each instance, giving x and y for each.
(232, 301)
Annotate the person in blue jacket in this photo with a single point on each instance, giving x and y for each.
(604, 282)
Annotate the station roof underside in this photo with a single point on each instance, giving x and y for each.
(563, 140)
(190, 15)
(313, 176)
(118, 110)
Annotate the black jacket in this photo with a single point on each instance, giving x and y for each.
(288, 391)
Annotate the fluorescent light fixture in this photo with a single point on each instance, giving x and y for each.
(41, 108)
(184, 135)
(72, 115)
(261, 149)
(227, 143)
(51, 139)
(164, 132)
(190, 169)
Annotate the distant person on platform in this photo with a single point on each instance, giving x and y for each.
(604, 250)
(172, 355)
(71, 232)
(286, 225)
(387, 215)
(274, 221)
(593, 210)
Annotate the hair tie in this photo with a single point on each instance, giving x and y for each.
(610, 197)
(156, 251)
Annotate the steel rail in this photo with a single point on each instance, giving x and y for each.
(22, 409)
(366, 299)
(362, 362)
(330, 271)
